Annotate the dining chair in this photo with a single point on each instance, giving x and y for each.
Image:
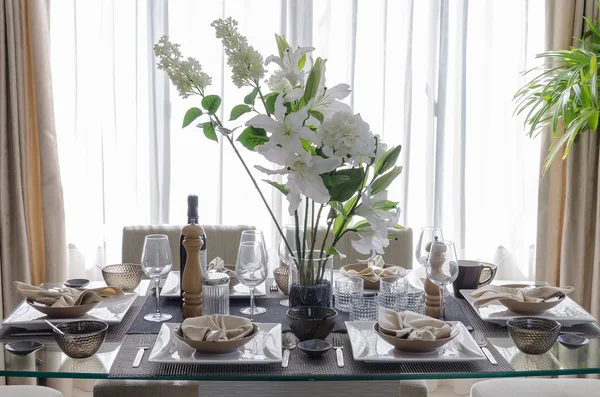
(537, 388)
(223, 241)
(28, 391)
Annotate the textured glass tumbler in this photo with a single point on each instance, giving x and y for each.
(392, 293)
(415, 301)
(344, 288)
(364, 306)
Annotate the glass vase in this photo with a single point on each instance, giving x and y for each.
(311, 280)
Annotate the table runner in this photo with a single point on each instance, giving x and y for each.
(300, 365)
(492, 330)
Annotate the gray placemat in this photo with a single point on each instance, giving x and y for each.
(497, 331)
(300, 365)
(115, 332)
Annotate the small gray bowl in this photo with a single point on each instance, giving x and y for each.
(81, 339)
(533, 335)
(311, 322)
(314, 347)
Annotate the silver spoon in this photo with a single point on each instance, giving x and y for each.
(288, 341)
(54, 327)
(482, 342)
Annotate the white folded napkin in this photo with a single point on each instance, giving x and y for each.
(66, 297)
(412, 326)
(527, 294)
(218, 265)
(216, 327)
(374, 274)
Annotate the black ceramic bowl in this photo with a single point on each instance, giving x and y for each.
(314, 347)
(311, 322)
(533, 335)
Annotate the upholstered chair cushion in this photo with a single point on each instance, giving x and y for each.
(28, 391)
(537, 388)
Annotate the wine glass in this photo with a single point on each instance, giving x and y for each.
(157, 261)
(442, 267)
(428, 235)
(256, 235)
(251, 270)
(285, 257)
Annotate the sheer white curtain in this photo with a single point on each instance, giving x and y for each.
(435, 76)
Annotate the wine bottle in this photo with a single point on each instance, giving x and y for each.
(192, 217)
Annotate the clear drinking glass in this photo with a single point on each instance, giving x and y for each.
(392, 292)
(157, 261)
(364, 306)
(442, 267)
(289, 231)
(343, 290)
(415, 301)
(428, 234)
(251, 270)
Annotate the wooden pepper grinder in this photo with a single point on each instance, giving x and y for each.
(432, 292)
(192, 275)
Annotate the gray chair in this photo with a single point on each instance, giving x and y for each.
(223, 241)
(531, 387)
(28, 391)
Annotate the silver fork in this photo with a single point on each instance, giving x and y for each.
(338, 346)
(139, 355)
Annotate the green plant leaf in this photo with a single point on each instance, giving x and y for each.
(343, 184)
(317, 115)
(307, 145)
(209, 131)
(279, 186)
(384, 205)
(349, 205)
(270, 101)
(252, 137)
(336, 205)
(387, 161)
(398, 227)
(282, 45)
(191, 115)
(362, 224)
(211, 103)
(302, 62)
(251, 97)
(239, 110)
(385, 180)
(338, 223)
(331, 250)
(313, 80)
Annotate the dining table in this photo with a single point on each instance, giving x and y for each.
(115, 358)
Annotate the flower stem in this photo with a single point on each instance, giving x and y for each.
(262, 98)
(298, 249)
(315, 230)
(304, 238)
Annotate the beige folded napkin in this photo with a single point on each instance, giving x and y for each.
(216, 327)
(527, 294)
(218, 265)
(374, 274)
(66, 297)
(413, 326)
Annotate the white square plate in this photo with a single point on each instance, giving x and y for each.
(171, 288)
(367, 346)
(111, 311)
(265, 348)
(567, 313)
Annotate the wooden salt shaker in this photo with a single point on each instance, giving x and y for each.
(432, 291)
(192, 275)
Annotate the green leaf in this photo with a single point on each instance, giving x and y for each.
(317, 115)
(349, 205)
(387, 161)
(209, 131)
(362, 224)
(398, 227)
(211, 103)
(239, 110)
(343, 184)
(307, 145)
(331, 250)
(252, 137)
(302, 62)
(336, 205)
(384, 205)
(385, 180)
(270, 101)
(191, 115)
(279, 186)
(314, 78)
(251, 97)
(338, 223)
(282, 45)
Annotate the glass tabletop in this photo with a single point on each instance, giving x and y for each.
(51, 362)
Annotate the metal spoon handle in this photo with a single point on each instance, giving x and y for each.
(286, 358)
(54, 327)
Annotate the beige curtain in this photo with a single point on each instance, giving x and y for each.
(32, 236)
(568, 242)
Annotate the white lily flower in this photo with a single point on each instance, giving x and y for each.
(327, 100)
(304, 175)
(290, 63)
(370, 241)
(286, 130)
(372, 209)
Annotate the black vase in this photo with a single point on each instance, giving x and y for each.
(310, 295)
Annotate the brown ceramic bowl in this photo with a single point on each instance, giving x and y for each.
(62, 312)
(212, 347)
(360, 267)
(414, 346)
